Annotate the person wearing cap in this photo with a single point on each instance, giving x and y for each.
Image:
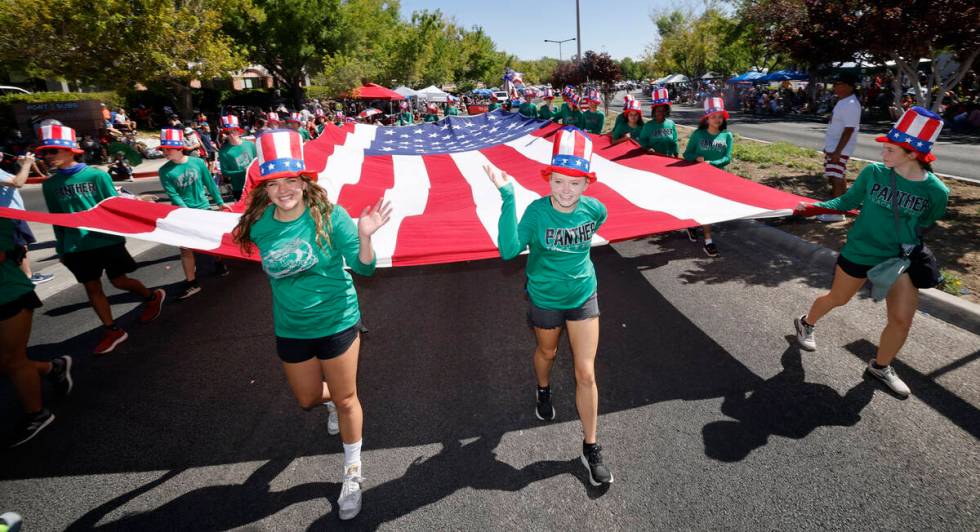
(77, 187)
(527, 108)
(621, 117)
(659, 135)
(494, 104)
(192, 144)
(452, 109)
(431, 113)
(295, 122)
(557, 231)
(547, 110)
(710, 143)
(405, 117)
(303, 241)
(632, 126)
(235, 155)
(569, 114)
(899, 199)
(841, 138)
(593, 119)
(185, 180)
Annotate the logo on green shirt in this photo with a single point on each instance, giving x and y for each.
(882, 195)
(289, 258)
(570, 239)
(190, 176)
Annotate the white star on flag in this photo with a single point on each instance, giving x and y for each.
(389, 132)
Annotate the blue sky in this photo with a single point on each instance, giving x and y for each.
(622, 27)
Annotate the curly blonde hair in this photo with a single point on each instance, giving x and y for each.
(315, 199)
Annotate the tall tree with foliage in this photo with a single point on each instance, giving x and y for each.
(119, 42)
(603, 70)
(694, 44)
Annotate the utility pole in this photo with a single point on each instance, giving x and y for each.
(559, 43)
(578, 32)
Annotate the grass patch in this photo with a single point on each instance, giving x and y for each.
(951, 283)
(777, 153)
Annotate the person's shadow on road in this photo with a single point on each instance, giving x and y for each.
(784, 405)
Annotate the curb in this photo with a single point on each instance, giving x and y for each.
(946, 307)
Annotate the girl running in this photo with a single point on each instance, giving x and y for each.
(561, 281)
(303, 241)
(899, 198)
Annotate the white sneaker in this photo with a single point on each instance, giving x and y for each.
(830, 217)
(888, 376)
(350, 494)
(804, 334)
(333, 422)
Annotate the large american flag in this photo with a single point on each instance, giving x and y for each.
(445, 209)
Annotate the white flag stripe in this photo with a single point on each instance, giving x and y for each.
(408, 198)
(345, 163)
(485, 193)
(190, 228)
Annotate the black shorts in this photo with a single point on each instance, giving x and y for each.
(12, 308)
(88, 265)
(295, 350)
(553, 319)
(853, 269)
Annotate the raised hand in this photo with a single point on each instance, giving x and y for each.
(373, 217)
(498, 179)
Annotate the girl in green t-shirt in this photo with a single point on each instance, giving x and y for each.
(557, 231)
(631, 126)
(303, 241)
(710, 143)
(659, 135)
(904, 181)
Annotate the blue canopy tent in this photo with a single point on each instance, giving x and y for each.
(747, 77)
(785, 75)
(482, 92)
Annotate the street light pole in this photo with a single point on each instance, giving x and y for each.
(578, 32)
(559, 43)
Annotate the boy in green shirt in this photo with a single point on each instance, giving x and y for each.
(235, 155)
(185, 180)
(710, 143)
(75, 187)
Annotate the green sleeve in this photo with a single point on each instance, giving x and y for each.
(346, 239)
(618, 131)
(691, 151)
(644, 137)
(168, 187)
(936, 210)
(210, 184)
(854, 196)
(723, 162)
(512, 238)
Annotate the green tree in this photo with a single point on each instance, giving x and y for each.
(117, 43)
(600, 68)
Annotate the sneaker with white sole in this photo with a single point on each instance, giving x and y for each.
(30, 427)
(41, 278)
(333, 422)
(543, 409)
(804, 334)
(599, 474)
(891, 379)
(349, 502)
(60, 375)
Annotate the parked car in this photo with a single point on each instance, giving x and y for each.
(8, 89)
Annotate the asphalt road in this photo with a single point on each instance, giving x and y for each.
(710, 416)
(957, 154)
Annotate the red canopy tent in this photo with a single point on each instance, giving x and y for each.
(373, 91)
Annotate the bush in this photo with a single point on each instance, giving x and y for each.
(951, 283)
(109, 98)
(316, 92)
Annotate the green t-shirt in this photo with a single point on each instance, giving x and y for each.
(569, 116)
(78, 189)
(560, 275)
(660, 137)
(528, 110)
(430, 117)
(623, 128)
(716, 149)
(234, 161)
(185, 184)
(13, 282)
(452, 111)
(405, 118)
(546, 112)
(312, 294)
(304, 133)
(872, 238)
(592, 121)
(493, 107)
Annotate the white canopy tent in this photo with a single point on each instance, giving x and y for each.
(677, 78)
(406, 92)
(433, 94)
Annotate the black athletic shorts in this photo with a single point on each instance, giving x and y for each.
(552, 319)
(12, 308)
(295, 350)
(853, 269)
(88, 265)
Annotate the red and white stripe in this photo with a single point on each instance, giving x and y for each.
(444, 207)
(57, 132)
(713, 105)
(919, 126)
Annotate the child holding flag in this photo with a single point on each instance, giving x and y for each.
(710, 143)
(235, 155)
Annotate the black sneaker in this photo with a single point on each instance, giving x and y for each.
(598, 473)
(710, 249)
(221, 270)
(30, 426)
(544, 410)
(691, 235)
(60, 375)
(189, 290)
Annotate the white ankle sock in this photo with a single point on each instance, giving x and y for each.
(708, 241)
(352, 453)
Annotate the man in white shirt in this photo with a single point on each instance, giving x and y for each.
(10, 197)
(841, 138)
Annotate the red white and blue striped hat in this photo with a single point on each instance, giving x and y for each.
(57, 136)
(548, 94)
(917, 130)
(660, 97)
(272, 118)
(171, 138)
(230, 123)
(714, 106)
(280, 154)
(632, 105)
(594, 97)
(573, 100)
(571, 154)
(296, 118)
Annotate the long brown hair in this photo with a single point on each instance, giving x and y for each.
(317, 204)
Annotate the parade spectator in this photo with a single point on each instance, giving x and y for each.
(119, 168)
(10, 197)
(841, 138)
